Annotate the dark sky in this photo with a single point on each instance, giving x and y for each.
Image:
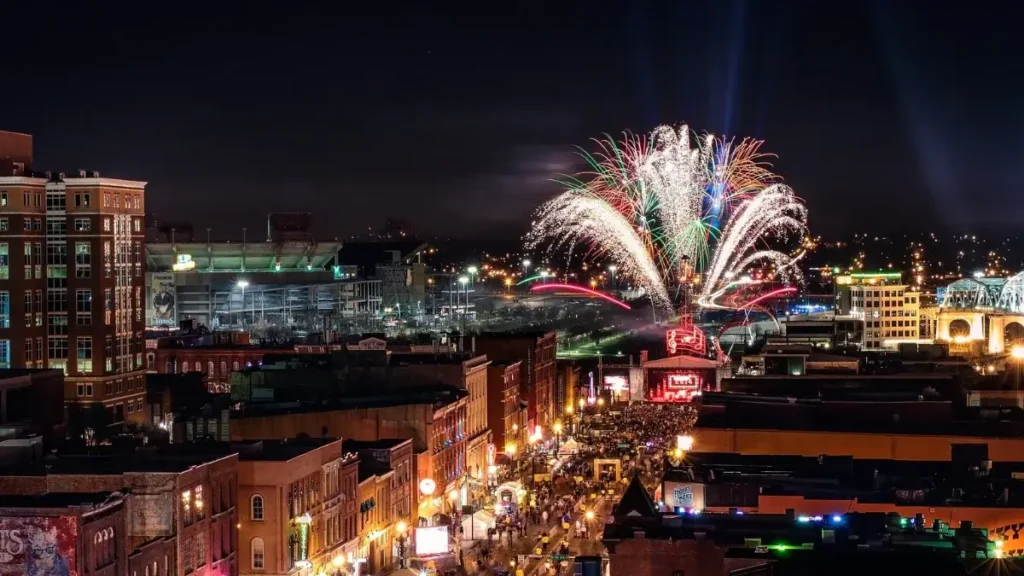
(457, 115)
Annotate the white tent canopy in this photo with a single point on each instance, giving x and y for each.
(570, 446)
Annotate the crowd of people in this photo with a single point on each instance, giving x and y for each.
(560, 511)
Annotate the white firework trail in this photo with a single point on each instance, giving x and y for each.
(576, 216)
(645, 209)
(774, 211)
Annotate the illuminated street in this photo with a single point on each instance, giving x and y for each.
(566, 480)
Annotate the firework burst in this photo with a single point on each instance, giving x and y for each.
(655, 203)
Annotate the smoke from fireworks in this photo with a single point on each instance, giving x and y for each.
(653, 204)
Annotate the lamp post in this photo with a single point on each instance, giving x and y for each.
(557, 429)
(463, 282)
(526, 268)
(242, 285)
(612, 269)
(543, 276)
(402, 529)
(472, 275)
(508, 285)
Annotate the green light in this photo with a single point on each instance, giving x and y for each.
(903, 522)
(277, 267)
(531, 278)
(835, 270)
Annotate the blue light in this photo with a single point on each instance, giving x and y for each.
(837, 519)
(817, 518)
(739, 512)
(803, 519)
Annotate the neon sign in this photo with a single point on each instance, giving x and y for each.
(685, 339)
(678, 387)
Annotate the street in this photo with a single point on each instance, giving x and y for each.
(555, 520)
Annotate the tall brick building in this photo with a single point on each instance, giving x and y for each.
(536, 352)
(72, 278)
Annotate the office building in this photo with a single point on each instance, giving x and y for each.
(887, 306)
(71, 282)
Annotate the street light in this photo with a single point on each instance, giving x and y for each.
(526, 268)
(1017, 352)
(472, 273)
(543, 276)
(242, 285)
(402, 527)
(508, 284)
(612, 269)
(462, 282)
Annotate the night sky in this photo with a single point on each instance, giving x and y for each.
(457, 117)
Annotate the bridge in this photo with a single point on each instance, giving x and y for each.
(983, 315)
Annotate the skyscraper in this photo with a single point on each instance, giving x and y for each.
(80, 311)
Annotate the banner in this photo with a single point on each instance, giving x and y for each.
(160, 304)
(34, 546)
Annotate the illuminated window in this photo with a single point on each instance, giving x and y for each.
(257, 553)
(256, 507)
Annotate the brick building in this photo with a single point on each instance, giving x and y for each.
(376, 520)
(71, 282)
(536, 352)
(391, 459)
(293, 496)
(216, 355)
(504, 413)
(84, 533)
(181, 500)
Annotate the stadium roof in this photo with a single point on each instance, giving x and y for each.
(235, 256)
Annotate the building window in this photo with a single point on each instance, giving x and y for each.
(4, 225)
(3, 199)
(84, 389)
(83, 260)
(199, 366)
(257, 553)
(83, 306)
(5, 309)
(184, 366)
(37, 224)
(82, 224)
(223, 369)
(211, 370)
(256, 507)
(234, 366)
(5, 353)
(5, 262)
(85, 354)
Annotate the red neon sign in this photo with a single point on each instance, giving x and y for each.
(685, 339)
(678, 387)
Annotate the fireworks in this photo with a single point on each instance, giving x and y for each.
(654, 204)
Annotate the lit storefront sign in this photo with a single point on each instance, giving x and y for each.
(303, 522)
(185, 262)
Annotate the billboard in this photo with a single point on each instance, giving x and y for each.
(684, 496)
(37, 546)
(431, 540)
(160, 302)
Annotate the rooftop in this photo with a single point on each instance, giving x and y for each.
(60, 500)
(384, 444)
(868, 416)
(279, 450)
(744, 478)
(432, 394)
(107, 460)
